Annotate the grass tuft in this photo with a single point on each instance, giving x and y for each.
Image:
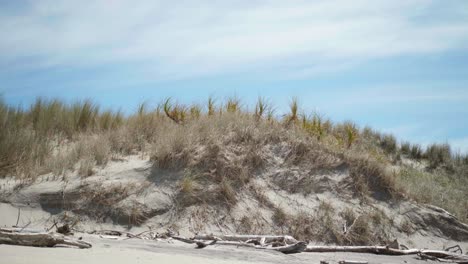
(224, 147)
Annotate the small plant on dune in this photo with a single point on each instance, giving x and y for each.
(227, 193)
(370, 177)
(349, 216)
(438, 154)
(136, 216)
(405, 148)
(211, 107)
(319, 127)
(109, 120)
(187, 185)
(86, 113)
(359, 232)
(176, 113)
(351, 134)
(233, 105)
(305, 123)
(279, 217)
(195, 111)
(293, 116)
(303, 226)
(326, 226)
(141, 109)
(389, 144)
(262, 108)
(86, 167)
(416, 152)
(314, 125)
(271, 115)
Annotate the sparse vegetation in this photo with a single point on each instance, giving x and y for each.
(293, 115)
(224, 146)
(389, 144)
(439, 187)
(438, 155)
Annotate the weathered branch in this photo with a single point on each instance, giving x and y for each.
(245, 238)
(39, 240)
(289, 249)
(381, 250)
(185, 240)
(362, 249)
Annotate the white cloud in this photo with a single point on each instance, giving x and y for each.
(178, 40)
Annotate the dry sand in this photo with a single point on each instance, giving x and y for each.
(140, 251)
(40, 202)
(118, 250)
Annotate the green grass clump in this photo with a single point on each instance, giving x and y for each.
(389, 144)
(438, 154)
(293, 116)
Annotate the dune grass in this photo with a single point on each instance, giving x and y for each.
(221, 144)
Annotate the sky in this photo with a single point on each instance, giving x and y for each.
(398, 66)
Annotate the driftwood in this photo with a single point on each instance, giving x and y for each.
(455, 249)
(201, 244)
(245, 238)
(20, 230)
(362, 249)
(39, 240)
(352, 262)
(288, 249)
(443, 256)
(287, 244)
(185, 240)
(266, 242)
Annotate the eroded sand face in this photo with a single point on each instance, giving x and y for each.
(43, 201)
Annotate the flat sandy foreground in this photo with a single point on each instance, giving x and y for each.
(107, 250)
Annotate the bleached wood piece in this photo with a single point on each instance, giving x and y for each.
(382, 250)
(352, 262)
(39, 240)
(244, 238)
(362, 249)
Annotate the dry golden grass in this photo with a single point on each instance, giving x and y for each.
(446, 190)
(222, 145)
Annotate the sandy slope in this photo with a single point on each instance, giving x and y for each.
(153, 193)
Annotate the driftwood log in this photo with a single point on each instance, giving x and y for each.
(292, 246)
(245, 238)
(383, 250)
(12, 237)
(439, 255)
(242, 241)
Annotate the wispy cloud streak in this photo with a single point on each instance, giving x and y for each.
(164, 39)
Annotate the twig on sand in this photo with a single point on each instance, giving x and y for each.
(352, 262)
(201, 244)
(25, 226)
(18, 218)
(455, 249)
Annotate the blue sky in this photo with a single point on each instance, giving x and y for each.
(397, 66)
